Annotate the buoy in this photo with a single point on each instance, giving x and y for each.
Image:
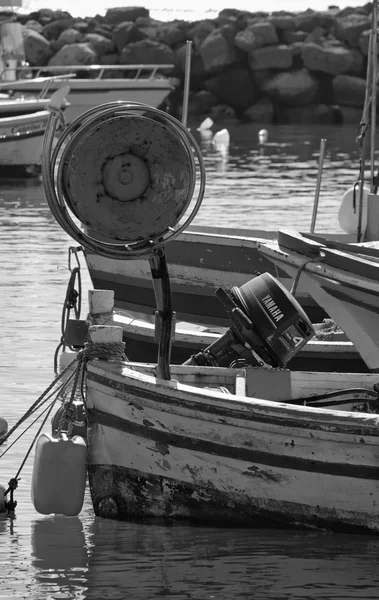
(3, 427)
(59, 475)
(206, 124)
(348, 214)
(263, 136)
(221, 138)
(2, 498)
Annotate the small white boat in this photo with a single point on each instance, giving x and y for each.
(342, 278)
(90, 85)
(22, 127)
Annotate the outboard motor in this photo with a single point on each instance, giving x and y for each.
(269, 326)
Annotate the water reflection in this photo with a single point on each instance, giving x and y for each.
(145, 562)
(59, 556)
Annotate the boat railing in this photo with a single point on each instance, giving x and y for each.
(46, 86)
(146, 71)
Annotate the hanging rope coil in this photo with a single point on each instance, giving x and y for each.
(72, 302)
(106, 351)
(301, 270)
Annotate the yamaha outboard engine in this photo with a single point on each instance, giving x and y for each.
(268, 326)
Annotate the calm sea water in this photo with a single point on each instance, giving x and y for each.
(89, 558)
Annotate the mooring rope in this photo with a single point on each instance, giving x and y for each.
(114, 351)
(300, 270)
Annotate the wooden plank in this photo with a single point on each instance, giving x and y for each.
(369, 249)
(294, 241)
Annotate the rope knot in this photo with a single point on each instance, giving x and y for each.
(105, 351)
(13, 483)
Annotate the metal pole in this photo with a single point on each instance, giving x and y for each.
(187, 76)
(374, 50)
(318, 184)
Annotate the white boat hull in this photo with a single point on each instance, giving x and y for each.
(21, 140)
(160, 449)
(87, 93)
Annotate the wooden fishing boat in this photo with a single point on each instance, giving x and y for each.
(184, 449)
(214, 444)
(91, 85)
(200, 260)
(343, 282)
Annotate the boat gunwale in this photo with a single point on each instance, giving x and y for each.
(241, 407)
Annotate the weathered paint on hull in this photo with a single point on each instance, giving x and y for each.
(163, 450)
(139, 497)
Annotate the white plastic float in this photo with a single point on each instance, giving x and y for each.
(59, 475)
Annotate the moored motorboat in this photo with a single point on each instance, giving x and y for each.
(201, 441)
(91, 85)
(343, 282)
(22, 127)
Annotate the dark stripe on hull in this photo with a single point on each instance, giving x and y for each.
(244, 454)
(203, 308)
(127, 494)
(19, 171)
(256, 416)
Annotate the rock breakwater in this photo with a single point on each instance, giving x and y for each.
(279, 67)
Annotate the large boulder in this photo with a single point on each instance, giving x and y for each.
(332, 59)
(310, 19)
(147, 52)
(349, 28)
(364, 41)
(101, 45)
(262, 112)
(217, 51)
(200, 32)
(296, 88)
(173, 34)
(37, 48)
(125, 13)
(283, 22)
(52, 30)
(127, 33)
(198, 74)
(349, 90)
(68, 36)
(43, 15)
(294, 37)
(74, 54)
(234, 87)
(201, 103)
(270, 57)
(256, 36)
(32, 24)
